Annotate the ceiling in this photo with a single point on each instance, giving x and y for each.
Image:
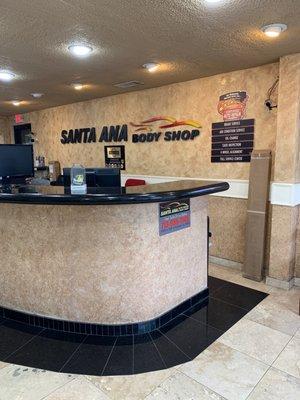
(189, 38)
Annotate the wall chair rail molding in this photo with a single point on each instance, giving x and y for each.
(281, 193)
(285, 194)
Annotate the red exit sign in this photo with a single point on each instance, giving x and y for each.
(19, 118)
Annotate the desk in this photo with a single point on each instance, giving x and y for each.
(98, 259)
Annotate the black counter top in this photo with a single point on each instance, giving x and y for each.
(152, 193)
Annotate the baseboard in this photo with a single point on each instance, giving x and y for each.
(297, 282)
(226, 263)
(286, 285)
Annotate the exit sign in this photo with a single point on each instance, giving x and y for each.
(19, 118)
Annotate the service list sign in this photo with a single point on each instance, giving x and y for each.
(174, 216)
(232, 141)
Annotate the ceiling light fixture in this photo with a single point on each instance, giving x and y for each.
(37, 95)
(274, 30)
(151, 67)
(16, 103)
(77, 86)
(6, 76)
(80, 50)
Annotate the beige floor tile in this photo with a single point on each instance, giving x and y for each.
(235, 276)
(3, 364)
(221, 272)
(181, 387)
(226, 371)
(131, 387)
(256, 340)
(78, 389)
(297, 334)
(289, 360)
(289, 299)
(276, 385)
(275, 316)
(22, 383)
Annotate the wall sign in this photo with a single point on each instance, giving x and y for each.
(232, 141)
(174, 216)
(19, 118)
(144, 132)
(232, 106)
(115, 157)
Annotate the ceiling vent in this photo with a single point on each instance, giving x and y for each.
(128, 85)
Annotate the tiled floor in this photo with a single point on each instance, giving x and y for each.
(257, 358)
(176, 342)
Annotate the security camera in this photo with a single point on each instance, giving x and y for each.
(270, 104)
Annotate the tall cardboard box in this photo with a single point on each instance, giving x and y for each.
(257, 212)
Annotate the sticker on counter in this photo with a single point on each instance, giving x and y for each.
(174, 216)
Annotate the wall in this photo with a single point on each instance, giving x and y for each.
(196, 100)
(284, 249)
(4, 130)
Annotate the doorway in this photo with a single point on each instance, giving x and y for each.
(22, 134)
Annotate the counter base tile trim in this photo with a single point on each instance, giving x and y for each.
(103, 329)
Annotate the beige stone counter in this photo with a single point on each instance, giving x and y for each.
(104, 264)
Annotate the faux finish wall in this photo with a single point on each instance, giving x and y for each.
(52, 263)
(4, 130)
(195, 99)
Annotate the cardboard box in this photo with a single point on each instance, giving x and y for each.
(257, 212)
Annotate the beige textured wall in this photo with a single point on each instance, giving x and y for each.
(287, 169)
(283, 257)
(4, 130)
(195, 99)
(283, 242)
(227, 224)
(297, 263)
(92, 263)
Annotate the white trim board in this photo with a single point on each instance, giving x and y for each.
(285, 194)
(282, 194)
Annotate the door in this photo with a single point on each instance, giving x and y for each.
(22, 134)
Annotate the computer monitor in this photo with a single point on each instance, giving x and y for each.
(97, 177)
(16, 162)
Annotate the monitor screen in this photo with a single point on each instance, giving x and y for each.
(16, 160)
(97, 177)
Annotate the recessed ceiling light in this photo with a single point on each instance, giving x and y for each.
(213, 1)
(77, 86)
(151, 67)
(274, 30)
(16, 103)
(37, 95)
(6, 76)
(80, 50)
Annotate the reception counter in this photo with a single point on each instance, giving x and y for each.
(99, 263)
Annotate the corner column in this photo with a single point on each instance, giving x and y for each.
(284, 219)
